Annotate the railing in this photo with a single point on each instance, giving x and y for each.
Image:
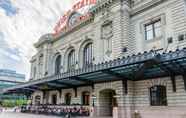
(59, 110)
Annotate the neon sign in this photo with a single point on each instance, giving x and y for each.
(72, 16)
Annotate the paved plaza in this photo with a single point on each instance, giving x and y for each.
(20, 115)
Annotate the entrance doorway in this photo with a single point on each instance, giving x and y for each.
(54, 99)
(37, 100)
(106, 102)
(68, 98)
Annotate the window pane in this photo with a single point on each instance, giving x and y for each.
(149, 32)
(148, 27)
(149, 35)
(158, 32)
(158, 96)
(71, 60)
(157, 24)
(88, 55)
(153, 30)
(57, 65)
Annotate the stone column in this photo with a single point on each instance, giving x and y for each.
(125, 28)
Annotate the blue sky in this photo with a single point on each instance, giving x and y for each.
(22, 23)
(6, 5)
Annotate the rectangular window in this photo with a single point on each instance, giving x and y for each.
(158, 96)
(153, 30)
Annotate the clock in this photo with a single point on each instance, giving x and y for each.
(73, 19)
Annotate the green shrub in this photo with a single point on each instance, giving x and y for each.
(13, 103)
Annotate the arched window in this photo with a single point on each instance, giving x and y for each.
(88, 55)
(71, 60)
(68, 98)
(58, 64)
(158, 96)
(86, 98)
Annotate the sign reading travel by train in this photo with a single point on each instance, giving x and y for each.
(79, 12)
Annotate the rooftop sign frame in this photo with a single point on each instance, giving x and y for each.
(72, 17)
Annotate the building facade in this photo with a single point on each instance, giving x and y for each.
(117, 29)
(10, 78)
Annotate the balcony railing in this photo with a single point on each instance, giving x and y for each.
(59, 110)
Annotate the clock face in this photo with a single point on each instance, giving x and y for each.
(73, 19)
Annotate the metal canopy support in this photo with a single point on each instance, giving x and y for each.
(179, 67)
(173, 83)
(36, 87)
(117, 75)
(140, 74)
(47, 86)
(31, 89)
(63, 83)
(75, 90)
(125, 86)
(171, 74)
(59, 90)
(56, 85)
(93, 87)
(44, 94)
(82, 80)
(184, 79)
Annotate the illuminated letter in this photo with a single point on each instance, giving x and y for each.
(92, 1)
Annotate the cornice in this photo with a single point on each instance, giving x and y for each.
(44, 39)
(100, 5)
(148, 5)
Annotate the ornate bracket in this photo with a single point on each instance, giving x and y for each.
(60, 93)
(173, 83)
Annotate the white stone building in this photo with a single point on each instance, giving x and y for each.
(81, 66)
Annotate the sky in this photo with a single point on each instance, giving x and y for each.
(22, 23)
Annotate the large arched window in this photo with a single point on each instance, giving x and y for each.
(71, 60)
(158, 96)
(68, 97)
(88, 55)
(58, 64)
(86, 98)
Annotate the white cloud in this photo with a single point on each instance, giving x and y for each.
(33, 19)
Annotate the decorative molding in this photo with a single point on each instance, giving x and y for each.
(148, 5)
(107, 30)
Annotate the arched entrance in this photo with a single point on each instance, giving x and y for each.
(107, 101)
(68, 97)
(54, 99)
(37, 100)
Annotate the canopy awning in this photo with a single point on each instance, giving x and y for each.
(136, 67)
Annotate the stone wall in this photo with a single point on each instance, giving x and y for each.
(176, 100)
(137, 100)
